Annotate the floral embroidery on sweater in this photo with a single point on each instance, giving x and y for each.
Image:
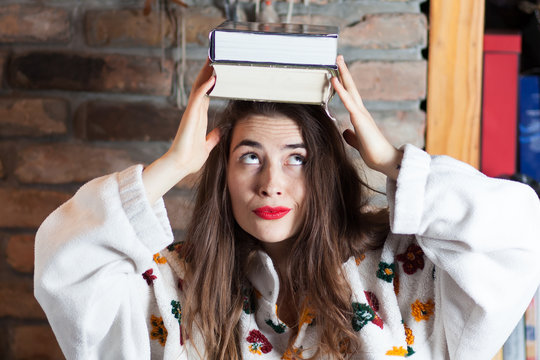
(359, 259)
(279, 327)
(396, 284)
(422, 311)
(397, 351)
(175, 247)
(158, 332)
(374, 304)
(159, 259)
(176, 310)
(386, 271)
(409, 335)
(258, 343)
(147, 275)
(293, 354)
(362, 315)
(249, 304)
(413, 259)
(307, 316)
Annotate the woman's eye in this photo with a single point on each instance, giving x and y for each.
(296, 160)
(249, 159)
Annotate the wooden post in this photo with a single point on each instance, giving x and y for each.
(455, 79)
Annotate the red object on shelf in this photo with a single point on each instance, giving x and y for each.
(499, 105)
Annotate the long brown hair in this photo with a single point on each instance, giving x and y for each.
(218, 252)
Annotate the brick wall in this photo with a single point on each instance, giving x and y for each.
(86, 89)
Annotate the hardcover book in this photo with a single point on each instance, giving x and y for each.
(293, 44)
(273, 83)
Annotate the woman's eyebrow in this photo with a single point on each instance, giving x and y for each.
(248, 142)
(255, 144)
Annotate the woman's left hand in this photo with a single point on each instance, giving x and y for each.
(367, 138)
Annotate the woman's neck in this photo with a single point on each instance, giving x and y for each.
(279, 253)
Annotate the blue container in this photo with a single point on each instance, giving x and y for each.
(529, 125)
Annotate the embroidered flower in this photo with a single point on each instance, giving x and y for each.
(359, 259)
(292, 354)
(249, 305)
(362, 314)
(158, 332)
(159, 259)
(177, 310)
(413, 259)
(307, 316)
(409, 335)
(147, 275)
(279, 327)
(396, 284)
(374, 304)
(397, 351)
(422, 311)
(175, 247)
(386, 271)
(258, 343)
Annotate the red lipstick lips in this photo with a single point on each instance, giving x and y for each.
(271, 213)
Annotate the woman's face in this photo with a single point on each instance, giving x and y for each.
(265, 177)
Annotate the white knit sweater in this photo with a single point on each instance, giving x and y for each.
(452, 280)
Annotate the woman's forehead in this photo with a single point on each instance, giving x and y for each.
(278, 129)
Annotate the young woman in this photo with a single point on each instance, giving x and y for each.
(282, 258)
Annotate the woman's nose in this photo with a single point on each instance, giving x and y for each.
(270, 181)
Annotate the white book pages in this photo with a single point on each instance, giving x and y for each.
(267, 83)
(274, 48)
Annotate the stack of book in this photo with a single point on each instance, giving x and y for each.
(274, 62)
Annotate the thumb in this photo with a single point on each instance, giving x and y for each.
(212, 139)
(351, 139)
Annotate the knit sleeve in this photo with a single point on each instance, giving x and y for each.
(482, 234)
(89, 257)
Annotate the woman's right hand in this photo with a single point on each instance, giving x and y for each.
(191, 145)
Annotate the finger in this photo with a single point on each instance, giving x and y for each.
(347, 79)
(200, 93)
(351, 139)
(205, 72)
(344, 95)
(212, 139)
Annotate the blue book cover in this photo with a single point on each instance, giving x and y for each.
(529, 125)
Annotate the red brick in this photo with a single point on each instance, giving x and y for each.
(32, 117)
(20, 252)
(17, 300)
(126, 121)
(33, 23)
(28, 207)
(103, 28)
(199, 23)
(411, 125)
(79, 72)
(390, 81)
(179, 209)
(386, 31)
(35, 342)
(66, 163)
(3, 59)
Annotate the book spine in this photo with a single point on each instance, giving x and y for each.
(212, 46)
